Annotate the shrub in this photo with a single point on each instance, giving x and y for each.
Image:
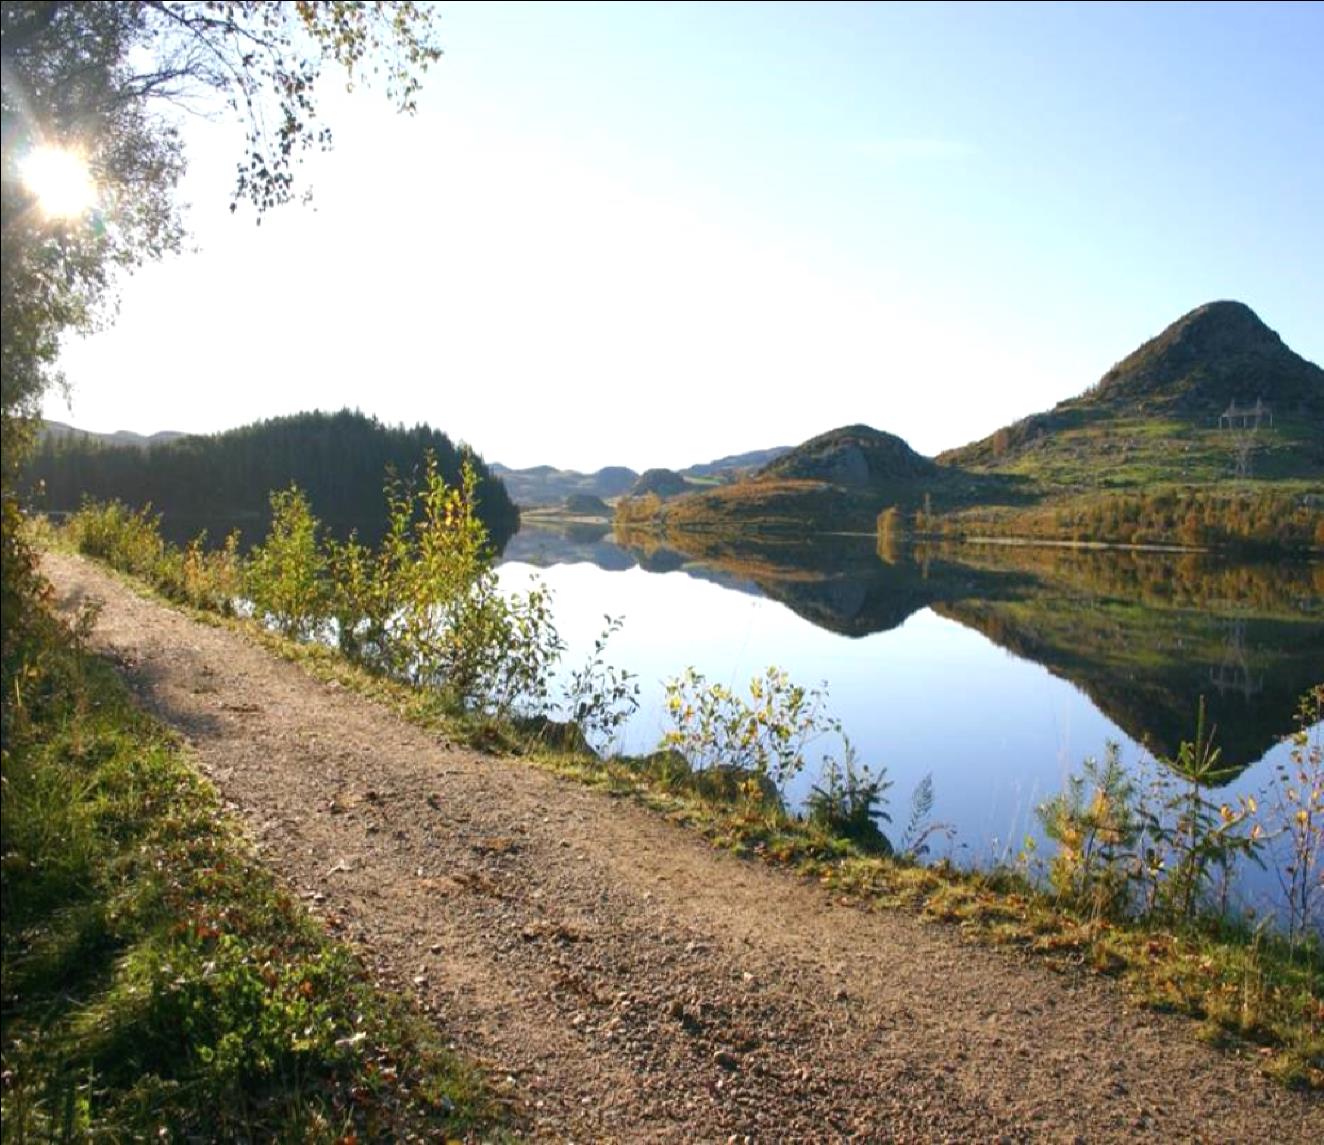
(1095, 824)
(849, 799)
(1296, 811)
(1194, 841)
(765, 736)
(286, 575)
(599, 698)
(127, 539)
(1165, 849)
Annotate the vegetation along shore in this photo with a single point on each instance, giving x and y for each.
(1131, 890)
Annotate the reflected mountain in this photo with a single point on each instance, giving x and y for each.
(1143, 634)
(836, 583)
(567, 544)
(543, 545)
(1146, 635)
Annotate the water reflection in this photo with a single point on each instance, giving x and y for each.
(1144, 635)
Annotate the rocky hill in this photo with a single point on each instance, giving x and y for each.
(854, 457)
(1217, 354)
(1158, 414)
(835, 482)
(662, 483)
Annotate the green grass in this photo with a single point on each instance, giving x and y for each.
(1083, 446)
(158, 981)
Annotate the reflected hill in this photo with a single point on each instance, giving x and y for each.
(544, 544)
(836, 583)
(1143, 634)
(562, 544)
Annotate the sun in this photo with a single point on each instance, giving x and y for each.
(60, 180)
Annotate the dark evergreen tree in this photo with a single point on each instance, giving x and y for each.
(341, 460)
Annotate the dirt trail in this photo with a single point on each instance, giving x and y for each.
(635, 984)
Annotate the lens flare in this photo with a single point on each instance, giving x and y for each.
(60, 180)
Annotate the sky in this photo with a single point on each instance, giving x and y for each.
(649, 235)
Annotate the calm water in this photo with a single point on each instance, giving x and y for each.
(996, 670)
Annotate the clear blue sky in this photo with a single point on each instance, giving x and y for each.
(649, 235)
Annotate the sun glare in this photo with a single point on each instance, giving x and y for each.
(60, 180)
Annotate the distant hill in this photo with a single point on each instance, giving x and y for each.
(662, 483)
(735, 463)
(586, 505)
(223, 481)
(58, 430)
(546, 485)
(854, 457)
(1156, 415)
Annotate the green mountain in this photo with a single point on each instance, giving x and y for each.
(1180, 408)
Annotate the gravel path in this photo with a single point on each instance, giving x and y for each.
(633, 983)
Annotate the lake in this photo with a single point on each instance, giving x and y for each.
(996, 669)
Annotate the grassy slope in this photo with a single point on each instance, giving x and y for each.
(157, 980)
(1086, 450)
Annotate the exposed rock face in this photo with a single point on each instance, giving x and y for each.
(855, 457)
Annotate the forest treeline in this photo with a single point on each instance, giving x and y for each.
(1267, 518)
(1258, 519)
(340, 460)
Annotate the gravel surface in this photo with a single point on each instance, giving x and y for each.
(626, 981)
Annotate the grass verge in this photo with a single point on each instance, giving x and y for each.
(157, 980)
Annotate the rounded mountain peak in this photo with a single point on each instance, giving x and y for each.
(855, 456)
